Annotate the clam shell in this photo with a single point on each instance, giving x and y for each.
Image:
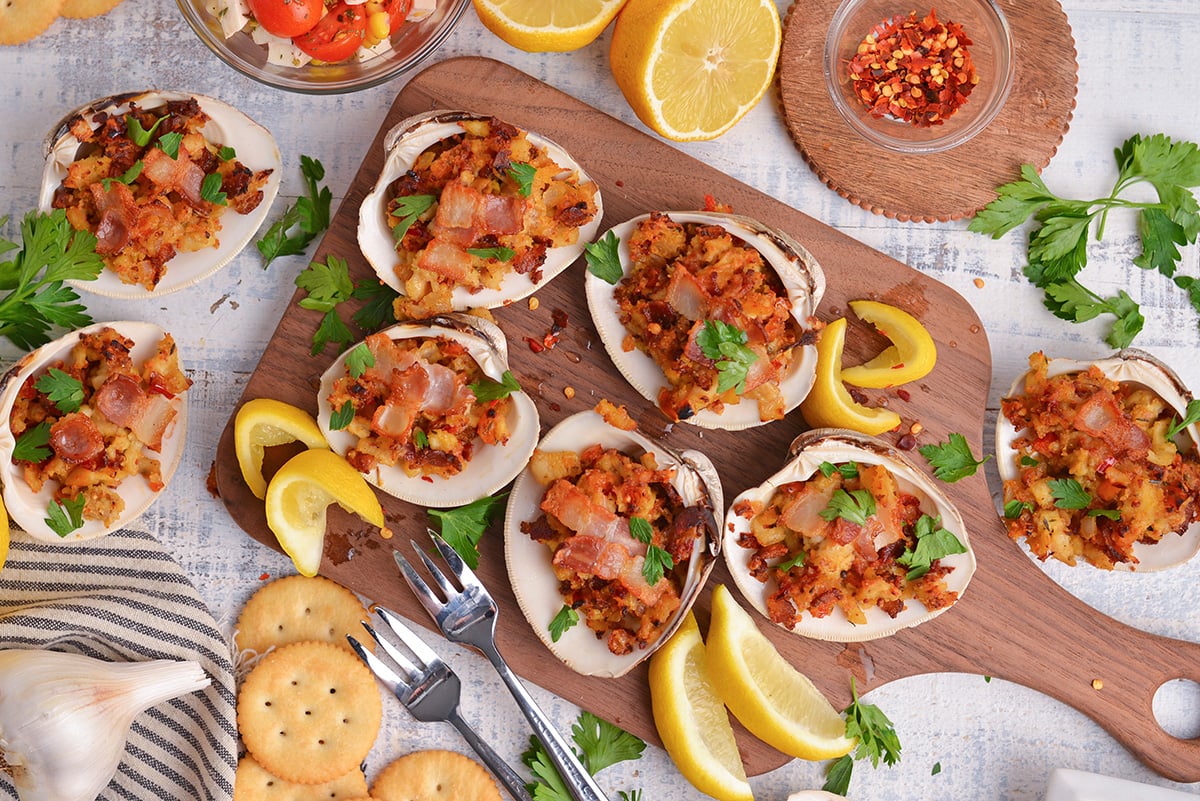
(529, 562)
(837, 446)
(255, 148)
(1138, 367)
(802, 278)
(491, 467)
(27, 508)
(403, 144)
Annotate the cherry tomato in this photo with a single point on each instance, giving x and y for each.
(337, 36)
(397, 12)
(287, 18)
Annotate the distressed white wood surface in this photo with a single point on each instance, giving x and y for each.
(992, 740)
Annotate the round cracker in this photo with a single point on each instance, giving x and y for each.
(21, 20)
(309, 712)
(300, 609)
(435, 776)
(85, 9)
(253, 782)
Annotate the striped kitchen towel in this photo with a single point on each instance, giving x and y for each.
(122, 598)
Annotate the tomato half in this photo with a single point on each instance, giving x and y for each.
(397, 12)
(287, 18)
(337, 36)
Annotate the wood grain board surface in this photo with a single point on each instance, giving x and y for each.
(931, 186)
(1013, 622)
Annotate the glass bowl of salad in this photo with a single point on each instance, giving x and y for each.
(322, 46)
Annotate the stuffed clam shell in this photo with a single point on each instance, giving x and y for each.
(427, 411)
(167, 214)
(695, 283)
(94, 428)
(472, 212)
(1097, 464)
(836, 545)
(588, 521)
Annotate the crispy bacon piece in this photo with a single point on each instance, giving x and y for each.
(118, 215)
(577, 512)
(465, 214)
(74, 438)
(121, 399)
(1101, 416)
(610, 561)
(178, 174)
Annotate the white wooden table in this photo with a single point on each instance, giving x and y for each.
(992, 740)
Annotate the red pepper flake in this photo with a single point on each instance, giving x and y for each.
(907, 442)
(264, 576)
(916, 70)
(534, 345)
(904, 395)
(858, 395)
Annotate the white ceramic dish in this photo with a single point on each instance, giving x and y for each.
(1078, 785)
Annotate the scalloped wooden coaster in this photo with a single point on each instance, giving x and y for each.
(931, 187)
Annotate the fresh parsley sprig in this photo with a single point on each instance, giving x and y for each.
(32, 445)
(566, 618)
(327, 285)
(408, 209)
(523, 175)
(603, 258)
(1190, 415)
(210, 190)
(599, 744)
(855, 506)
(1057, 250)
(845, 469)
(952, 460)
(62, 389)
(51, 253)
(499, 253)
(726, 345)
(933, 542)
(462, 527)
(139, 135)
(1069, 494)
(310, 215)
(65, 515)
(657, 561)
(877, 739)
(378, 309)
(490, 390)
(359, 359)
(342, 417)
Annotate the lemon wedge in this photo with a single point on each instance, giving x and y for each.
(829, 403)
(691, 718)
(777, 703)
(263, 422)
(911, 355)
(299, 494)
(690, 69)
(547, 25)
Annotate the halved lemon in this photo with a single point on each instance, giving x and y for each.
(263, 422)
(691, 718)
(776, 702)
(910, 357)
(299, 494)
(547, 25)
(829, 403)
(690, 69)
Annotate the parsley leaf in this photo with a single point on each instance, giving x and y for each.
(1191, 415)
(523, 175)
(378, 308)
(1028, 461)
(463, 527)
(408, 209)
(497, 253)
(933, 542)
(837, 781)
(420, 438)
(327, 285)
(1111, 514)
(855, 506)
(169, 143)
(1014, 509)
(210, 190)
(65, 391)
(603, 744)
(310, 214)
(795, 560)
(135, 131)
(726, 344)
(51, 253)
(359, 359)
(489, 390)
(65, 515)
(953, 459)
(547, 784)
(127, 177)
(227, 153)
(603, 258)
(657, 561)
(1069, 494)
(331, 329)
(846, 469)
(1072, 301)
(875, 733)
(340, 418)
(31, 445)
(565, 618)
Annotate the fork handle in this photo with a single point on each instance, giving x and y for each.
(579, 782)
(507, 776)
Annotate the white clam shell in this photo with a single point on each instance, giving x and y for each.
(529, 562)
(1137, 367)
(406, 141)
(491, 466)
(255, 148)
(28, 508)
(809, 450)
(802, 278)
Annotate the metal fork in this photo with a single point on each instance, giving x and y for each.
(469, 617)
(430, 692)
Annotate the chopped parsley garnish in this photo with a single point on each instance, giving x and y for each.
(726, 345)
(227, 153)
(210, 190)
(876, 739)
(359, 359)
(953, 459)
(497, 253)
(1014, 509)
(65, 515)
(463, 526)
(523, 175)
(489, 390)
(846, 469)
(1069, 494)
(603, 258)
(340, 418)
(408, 209)
(1191, 415)
(135, 131)
(65, 391)
(1111, 514)
(169, 143)
(933, 542)
(31, 445)
(657, 561)
(795, 560)
(855, 506)
(1028, 461)
(565, 619)
(420, 439)
(327, 285)
(310, 214)
(127, 177)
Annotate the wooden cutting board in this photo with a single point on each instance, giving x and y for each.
(1013, 622)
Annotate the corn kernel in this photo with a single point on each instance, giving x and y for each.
(379, 24)
(1097, 684)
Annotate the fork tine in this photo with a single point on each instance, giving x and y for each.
(406, 635)
(463, 573)
(378, 666)
(397, 656)
(424, 594)
(448, 589)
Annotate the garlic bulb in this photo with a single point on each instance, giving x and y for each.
(64, 717)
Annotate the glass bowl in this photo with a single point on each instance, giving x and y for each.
(991, 50)
(411, 44)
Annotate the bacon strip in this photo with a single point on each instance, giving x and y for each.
(75, 438)
(180, 174)
(118, 215)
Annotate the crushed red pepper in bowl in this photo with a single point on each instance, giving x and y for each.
(917, 69)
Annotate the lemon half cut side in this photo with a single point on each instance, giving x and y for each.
(538, 26)
(262, 423)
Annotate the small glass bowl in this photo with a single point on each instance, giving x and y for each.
(411, 44)
(991, 50)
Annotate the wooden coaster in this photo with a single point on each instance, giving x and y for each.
(933, 186)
